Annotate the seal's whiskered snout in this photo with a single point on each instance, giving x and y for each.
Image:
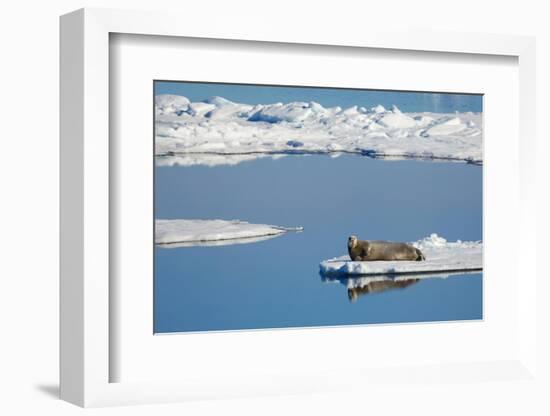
(352, 240)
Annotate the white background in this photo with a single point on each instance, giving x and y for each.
(29, 209)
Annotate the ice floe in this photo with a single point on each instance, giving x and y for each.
(441, 256)
(219, 131)
(185, 233)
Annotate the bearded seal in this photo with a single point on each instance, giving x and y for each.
(363, 250)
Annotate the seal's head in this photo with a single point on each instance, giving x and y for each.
(352, 241)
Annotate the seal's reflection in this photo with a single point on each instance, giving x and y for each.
(365, 285)
(378, 286)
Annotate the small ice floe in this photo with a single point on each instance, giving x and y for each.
(186, 233)
(441, 256)
(194, 130)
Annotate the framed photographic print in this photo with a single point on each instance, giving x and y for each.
(238, 212)
(257, 186)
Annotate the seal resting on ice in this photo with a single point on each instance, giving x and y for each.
(364, 250)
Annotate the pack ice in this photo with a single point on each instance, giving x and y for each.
(218, 131)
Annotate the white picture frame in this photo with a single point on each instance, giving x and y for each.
(86, 356)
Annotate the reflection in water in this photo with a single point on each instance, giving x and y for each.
(378, 286)
(364, 285)
(213, 159)
(221, 242)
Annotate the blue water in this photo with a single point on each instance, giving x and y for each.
(276, 283)
(328, 97)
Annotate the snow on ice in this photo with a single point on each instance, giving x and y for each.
(219, 131)
(183, 233)
(441, 256)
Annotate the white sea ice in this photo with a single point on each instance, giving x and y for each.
(171, 104)
(191, 133)
(397, 120)
(441, 256)
(446, 126)
(184, 233)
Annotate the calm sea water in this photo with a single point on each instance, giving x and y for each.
(276, 283)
